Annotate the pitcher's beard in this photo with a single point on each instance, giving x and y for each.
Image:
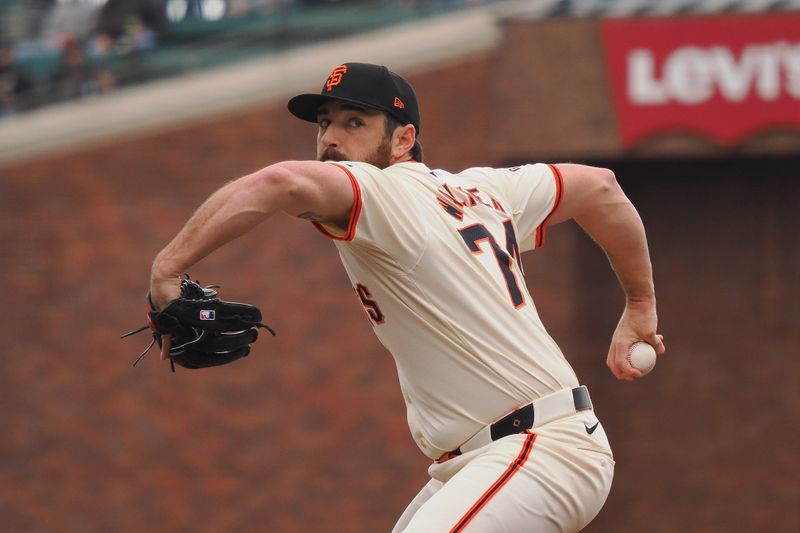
(381, 157)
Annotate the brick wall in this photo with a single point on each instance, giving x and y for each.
(308, 433)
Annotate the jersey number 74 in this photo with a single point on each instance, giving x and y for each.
(474, 234)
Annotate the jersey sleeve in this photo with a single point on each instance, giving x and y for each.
(534, 193)
(382, 219)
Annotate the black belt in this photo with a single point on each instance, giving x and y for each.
(533, 415)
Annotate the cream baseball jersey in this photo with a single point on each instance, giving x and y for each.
(435, 259)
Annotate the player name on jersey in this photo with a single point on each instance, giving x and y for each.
(455, 199)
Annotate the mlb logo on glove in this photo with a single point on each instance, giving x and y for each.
(207, 314)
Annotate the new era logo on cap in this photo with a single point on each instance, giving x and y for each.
(208, 314)
(399, 103)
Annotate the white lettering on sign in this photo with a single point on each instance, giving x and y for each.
(692, 75)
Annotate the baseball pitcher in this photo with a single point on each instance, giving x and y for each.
(434, 258)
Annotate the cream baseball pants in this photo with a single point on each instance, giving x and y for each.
(552, 479)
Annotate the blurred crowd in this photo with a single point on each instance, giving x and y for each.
(57, 50)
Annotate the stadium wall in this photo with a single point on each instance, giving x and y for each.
(308, 433)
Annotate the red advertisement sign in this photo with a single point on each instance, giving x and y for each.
(725, 77)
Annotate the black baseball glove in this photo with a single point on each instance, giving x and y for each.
(205, 331)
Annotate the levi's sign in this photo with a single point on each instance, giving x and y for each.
(723, 77)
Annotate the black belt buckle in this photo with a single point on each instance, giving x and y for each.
(516, 422)
(580, 396)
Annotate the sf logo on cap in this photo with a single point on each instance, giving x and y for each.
(335, 77)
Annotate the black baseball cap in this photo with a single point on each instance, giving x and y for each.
(369, 85)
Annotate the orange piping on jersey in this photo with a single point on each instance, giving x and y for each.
(559, 194)
(355, 211)
(513, 468)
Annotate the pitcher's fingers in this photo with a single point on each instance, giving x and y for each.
(628, 370)
(166, 344)
(620, 366)
(658, 344)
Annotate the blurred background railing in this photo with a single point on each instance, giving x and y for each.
(56, 50)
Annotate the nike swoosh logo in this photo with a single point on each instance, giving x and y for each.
(590, 429)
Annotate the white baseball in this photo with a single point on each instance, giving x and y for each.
(642, 357)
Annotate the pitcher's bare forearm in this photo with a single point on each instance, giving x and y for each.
(616, 227)
(295, 187)
(594, 199)
(230, 212)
